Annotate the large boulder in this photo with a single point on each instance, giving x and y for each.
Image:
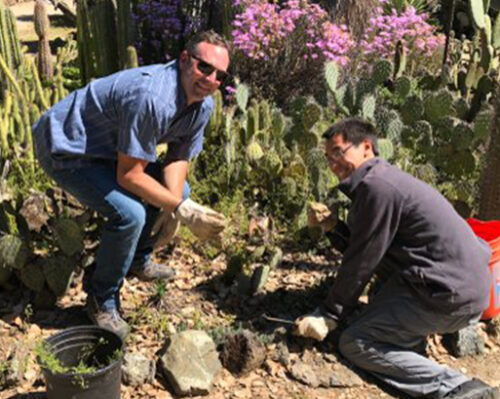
(190, 363)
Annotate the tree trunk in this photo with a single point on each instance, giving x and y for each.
(355, 14)
(489, 204)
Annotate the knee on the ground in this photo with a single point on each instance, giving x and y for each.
(350, 345)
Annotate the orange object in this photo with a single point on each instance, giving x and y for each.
(490, 232)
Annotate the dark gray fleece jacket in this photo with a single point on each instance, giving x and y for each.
(398, 220)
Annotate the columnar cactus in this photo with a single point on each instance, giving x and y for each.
(104, 32)
(42, 26)
(10, 48)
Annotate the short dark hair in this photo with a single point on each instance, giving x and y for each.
(354, 130)
(208, 36)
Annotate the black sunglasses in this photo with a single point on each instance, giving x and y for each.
(207, 69)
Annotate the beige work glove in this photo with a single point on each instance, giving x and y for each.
(318, 215)
(314, 325)
(204, 222)
(165, 228)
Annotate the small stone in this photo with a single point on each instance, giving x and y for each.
(137, 369)
(464, 342)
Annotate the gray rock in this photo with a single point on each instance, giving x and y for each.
(190, 363)
(283, 354)
(465, 342)
(137, 369)
(304, 373)
(315, 371)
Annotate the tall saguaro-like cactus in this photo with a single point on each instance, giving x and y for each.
(489, 205)
(42, 26)
(104, 31)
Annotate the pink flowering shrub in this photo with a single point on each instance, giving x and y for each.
(282, 48)
(263, 28)
(419, 38)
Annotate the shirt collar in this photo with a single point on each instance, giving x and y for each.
(350, 183)
(181, 96)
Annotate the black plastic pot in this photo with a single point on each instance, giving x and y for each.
(70, 347)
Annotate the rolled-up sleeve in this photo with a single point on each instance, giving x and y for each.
(373, 221)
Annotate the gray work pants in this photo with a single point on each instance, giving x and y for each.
(385, 338)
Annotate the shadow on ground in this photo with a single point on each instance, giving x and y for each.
(287, 304)
(56, 21)
(54, 44)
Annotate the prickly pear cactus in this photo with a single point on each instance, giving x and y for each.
(386, 149)
(402, 86)
(32, 276)
(242, 94)
(423, 135)
(368, 106)
(13, 252)
(311, 113)
(69, 236)
(332, 75)
(461, 108)
(438, 105)
(278, 124)
(254, 152)
(59, 272)
(382, 71)
(483, 124)
(462, 136)
(289, 186)
(412, 110)
(271, 163)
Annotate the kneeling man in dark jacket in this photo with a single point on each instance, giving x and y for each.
(442, 283)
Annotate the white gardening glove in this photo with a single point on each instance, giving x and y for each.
(204, 222)
(319, 215)
(165, 228)
(314, 325)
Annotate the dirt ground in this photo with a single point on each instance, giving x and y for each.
(199, 299)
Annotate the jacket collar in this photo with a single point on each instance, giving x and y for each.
(350, 183)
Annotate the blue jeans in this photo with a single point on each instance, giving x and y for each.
(126, 235)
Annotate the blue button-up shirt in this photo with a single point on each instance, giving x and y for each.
(131, 111)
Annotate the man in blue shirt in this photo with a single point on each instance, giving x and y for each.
(99, 144)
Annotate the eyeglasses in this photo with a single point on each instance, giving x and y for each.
(207, 69)
(338, 153)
